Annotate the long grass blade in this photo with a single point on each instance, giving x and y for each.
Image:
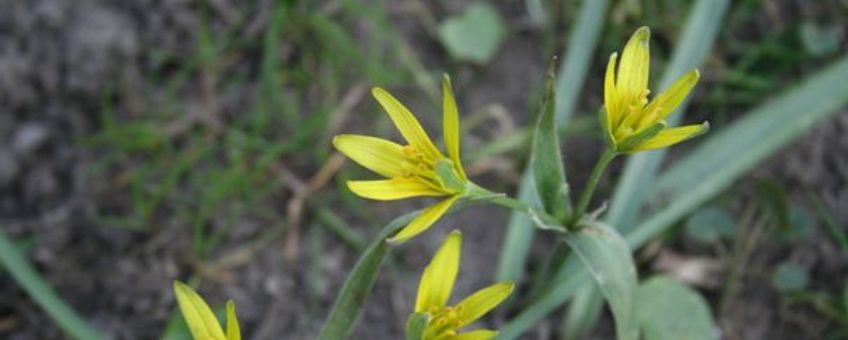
(41, 292)
(733, 151)
(348, 305)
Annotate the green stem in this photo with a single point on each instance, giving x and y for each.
(542, 219)
(589, 191)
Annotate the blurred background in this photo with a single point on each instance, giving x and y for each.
(153, 140)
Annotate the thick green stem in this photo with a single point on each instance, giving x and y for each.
(589, 191)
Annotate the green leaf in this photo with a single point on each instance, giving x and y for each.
(718, 162)
(582, 311)
(415, 326)
(357, 286)
(669, 310)
(710, 225)
(572, 75)
(546, 159)
(818, 40)
(475, 35)
(790, 277)
(608, 260)
(41, 292)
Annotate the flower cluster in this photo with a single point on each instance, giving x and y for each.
(630, 121)
(415, 169)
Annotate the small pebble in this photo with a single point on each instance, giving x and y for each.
(29, 138)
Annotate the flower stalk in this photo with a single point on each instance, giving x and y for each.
(591, 185)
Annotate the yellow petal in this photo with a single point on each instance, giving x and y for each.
(450, 123)
(406, 123)
(481, 302)
(669, 137)
(233, 331)
(375, 154)
(392, 189)
(438, 278)
(478, 334)
(668, 100)
(198, 316)
(634, 67)
(424, 221)
(613, 113)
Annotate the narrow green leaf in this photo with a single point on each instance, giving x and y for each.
(545, 305)
(415, 326)
(582, 311)
(357, 286)
(608, 260)
(41, 292)
(731, 152)
(669, 310)
(546, 159)
(570, 79)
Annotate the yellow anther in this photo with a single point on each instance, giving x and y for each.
(410, 151)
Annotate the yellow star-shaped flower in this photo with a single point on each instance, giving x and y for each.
(199, 317)
(632, 123)
(412, 170)
(435, 288)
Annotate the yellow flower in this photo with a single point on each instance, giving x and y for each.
(415, 169)
(201, 321)
(435, 289)
(632, 123)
